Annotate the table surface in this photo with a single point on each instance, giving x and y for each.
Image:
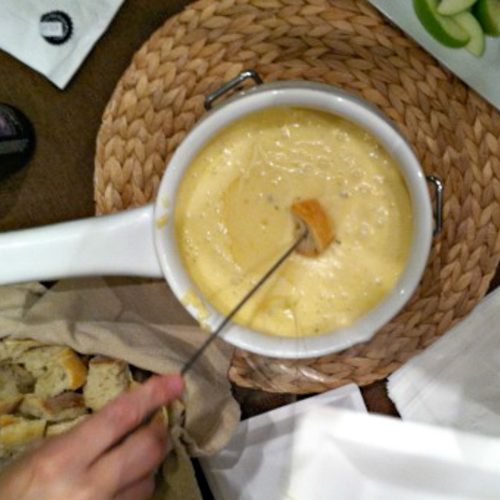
(57, 184)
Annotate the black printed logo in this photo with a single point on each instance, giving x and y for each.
(56, 27)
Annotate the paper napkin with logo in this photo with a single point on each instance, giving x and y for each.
(54, 36)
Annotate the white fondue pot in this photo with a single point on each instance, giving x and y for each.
(135, 243)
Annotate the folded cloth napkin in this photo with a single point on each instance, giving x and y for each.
(456, 381)
(54, 36)
(126, 319)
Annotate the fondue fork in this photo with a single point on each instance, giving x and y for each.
(240, 304)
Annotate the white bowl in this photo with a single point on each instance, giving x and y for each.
(329, 99)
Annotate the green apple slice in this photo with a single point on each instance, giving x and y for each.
(470, 24)
(452, 7)
(444, 29)
(487, 13)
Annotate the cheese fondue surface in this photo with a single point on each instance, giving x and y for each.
(233, 220)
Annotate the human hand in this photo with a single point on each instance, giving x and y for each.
(113, 454)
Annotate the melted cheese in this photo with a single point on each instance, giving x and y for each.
(233, 220)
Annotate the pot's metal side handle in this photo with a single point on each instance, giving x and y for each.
(438, 214)
(231, 84)
(119, 244)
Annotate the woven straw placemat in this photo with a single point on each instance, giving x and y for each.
(348, 43)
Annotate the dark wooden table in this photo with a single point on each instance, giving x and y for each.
(57, 183)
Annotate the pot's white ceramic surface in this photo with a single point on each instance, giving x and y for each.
(138, 243)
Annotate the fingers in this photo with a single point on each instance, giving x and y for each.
(138, 456)
(140, 490)
(124, 414)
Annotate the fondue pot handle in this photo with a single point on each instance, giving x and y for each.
(231, 84)
(119, 244)
(438, 214)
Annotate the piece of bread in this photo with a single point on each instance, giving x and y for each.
(55, 368)
(60, 427)
(11, 349)
(65, 406)
(24, 381)
(36, 361)
(106, 379)
(311, 217)
(17, 432)
(9, 402)
(10, 396)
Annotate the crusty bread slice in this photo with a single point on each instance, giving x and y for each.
(11, 349)
(17, 432)
(37, 360)
(106, 379)
(65, 406)
(8, 404)
(310, 216)
(10, 396)
(60, 427)
(56, 369)
(22, 378)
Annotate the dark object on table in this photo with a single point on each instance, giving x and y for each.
(17, 140)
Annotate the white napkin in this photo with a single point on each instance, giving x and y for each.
(456, 381)
(344, 455)
(54, 36)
